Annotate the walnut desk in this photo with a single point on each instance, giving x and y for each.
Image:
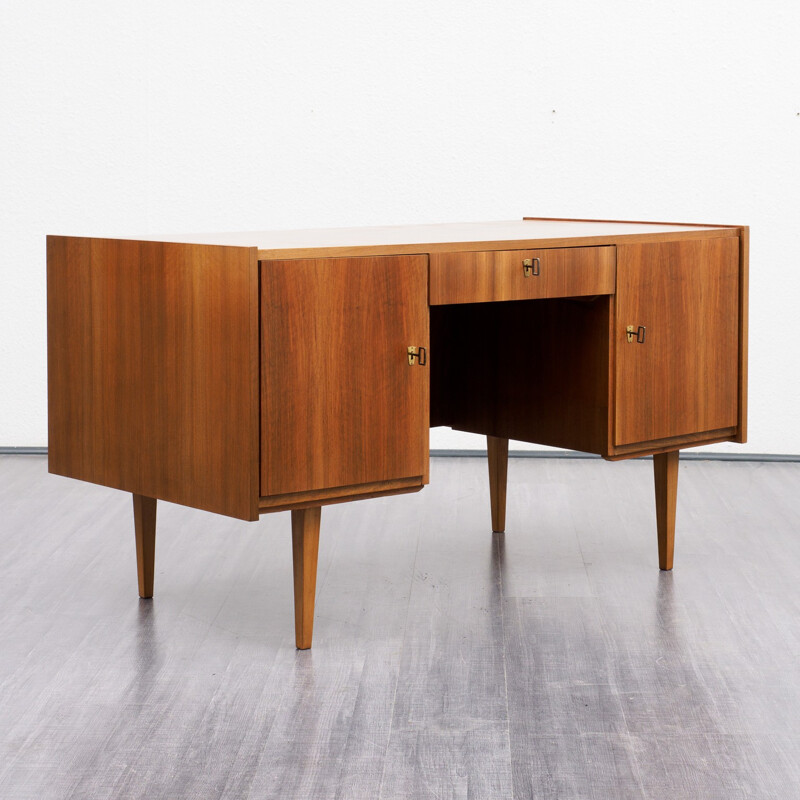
(255, 372)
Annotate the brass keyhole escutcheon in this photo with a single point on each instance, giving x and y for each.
(419, 353)
(530, 266)
(638, 332)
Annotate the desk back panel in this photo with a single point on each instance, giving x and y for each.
(341, 405)
(532, 370)
(153, 369)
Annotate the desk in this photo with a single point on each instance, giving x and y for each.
(250, 373)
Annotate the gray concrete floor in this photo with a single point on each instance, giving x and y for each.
(555, 661)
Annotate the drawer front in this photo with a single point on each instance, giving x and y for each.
(494, 275)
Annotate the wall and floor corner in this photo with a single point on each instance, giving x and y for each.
(122, 120)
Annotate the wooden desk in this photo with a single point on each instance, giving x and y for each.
(256, 372)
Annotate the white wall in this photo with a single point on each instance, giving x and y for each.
(145, 118)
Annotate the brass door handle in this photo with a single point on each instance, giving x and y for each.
(639, 332)
(530, 266)
(420, 353)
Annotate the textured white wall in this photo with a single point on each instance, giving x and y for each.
(145, 118)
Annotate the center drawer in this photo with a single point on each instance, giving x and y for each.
(493, 275)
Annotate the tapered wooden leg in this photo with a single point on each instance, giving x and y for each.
(144, 522)
(305, 548)
(665, 469)
(498, 477)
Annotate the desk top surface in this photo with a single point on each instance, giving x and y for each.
(528, 233)
(510, 234)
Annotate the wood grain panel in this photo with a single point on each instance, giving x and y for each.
(153, 369)
(684, 378)
(498, 275)
(340, 403)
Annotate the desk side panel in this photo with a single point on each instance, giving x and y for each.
(153, 369)
(744, 292)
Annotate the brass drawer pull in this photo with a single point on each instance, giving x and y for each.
(530, 266)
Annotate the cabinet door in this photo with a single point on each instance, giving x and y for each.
(340, 404)
(683, 378)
